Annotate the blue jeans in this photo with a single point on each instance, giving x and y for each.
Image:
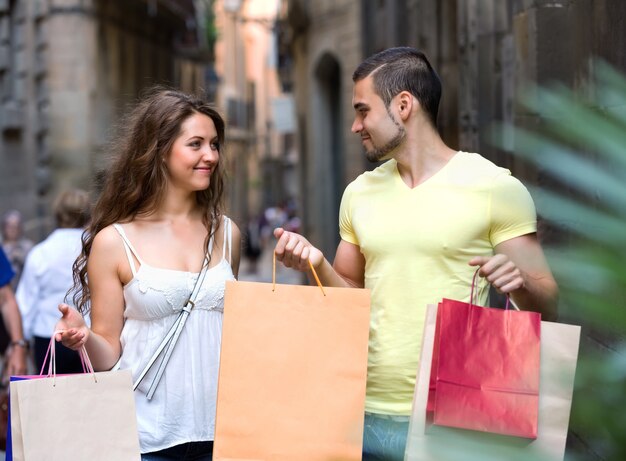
(192, 451)
(384, 437)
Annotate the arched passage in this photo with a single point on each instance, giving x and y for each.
(327, 143)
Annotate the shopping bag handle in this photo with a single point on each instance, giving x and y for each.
(52, 364)
(319, 284)
(509, 301)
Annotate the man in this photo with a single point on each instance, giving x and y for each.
(415, 229)
(16, 354)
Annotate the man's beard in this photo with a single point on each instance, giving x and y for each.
(378, 154)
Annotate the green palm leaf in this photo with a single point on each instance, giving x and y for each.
(581, 144)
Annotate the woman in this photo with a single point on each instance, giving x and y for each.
(158, 221)
(47, 277)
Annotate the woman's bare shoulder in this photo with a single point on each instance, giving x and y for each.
(107, 240)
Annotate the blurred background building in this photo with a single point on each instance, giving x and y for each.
(280, 70)
(67, 70)
(259, 111)
(281, 73)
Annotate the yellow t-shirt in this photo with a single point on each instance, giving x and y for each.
(417, 244)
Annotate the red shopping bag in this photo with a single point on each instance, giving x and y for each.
(485, 369)
(559, 354)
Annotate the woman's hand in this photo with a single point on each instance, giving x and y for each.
(72, 329)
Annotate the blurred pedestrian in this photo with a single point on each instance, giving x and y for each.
(15, 357)
(158, 236)
(47, 277)
(15, 245)
(293, 221)
(252, 243)
(275, 216)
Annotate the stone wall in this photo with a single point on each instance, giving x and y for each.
(23, 106)
(68, 68)
(326, 48)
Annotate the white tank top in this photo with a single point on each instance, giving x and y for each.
(183, 406)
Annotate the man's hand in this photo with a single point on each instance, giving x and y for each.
(73, 329)
(294, 251)
(519, 268)
(500, 272)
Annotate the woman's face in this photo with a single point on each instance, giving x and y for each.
(194, 155)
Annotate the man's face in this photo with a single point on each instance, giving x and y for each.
(381, 133)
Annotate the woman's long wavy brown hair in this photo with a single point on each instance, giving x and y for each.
(135, 182)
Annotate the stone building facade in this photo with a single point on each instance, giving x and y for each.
(256, 107)
(67, 70)
(324, 43)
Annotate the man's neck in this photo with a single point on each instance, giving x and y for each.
(422, 155)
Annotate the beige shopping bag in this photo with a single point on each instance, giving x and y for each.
(292, 373)
(559, 354)
(81, 417)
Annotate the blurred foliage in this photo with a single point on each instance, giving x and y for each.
(580, 145)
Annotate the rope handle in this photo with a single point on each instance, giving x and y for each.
(52, 365)
(509, 301)
(317, 280)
